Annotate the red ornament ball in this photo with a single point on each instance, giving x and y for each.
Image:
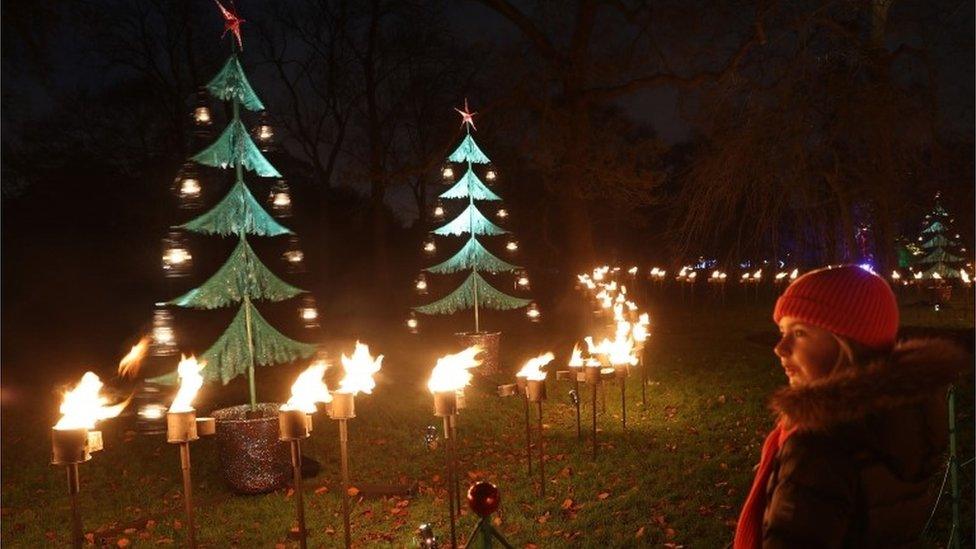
(483, 498)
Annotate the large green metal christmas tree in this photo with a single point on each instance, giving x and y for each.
(473, 257)
(939, 244)
(249, 340)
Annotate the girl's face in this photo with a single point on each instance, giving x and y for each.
(806, 352)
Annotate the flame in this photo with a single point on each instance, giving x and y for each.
(129, 365)
(639, 332)
(83, 406)
(309, 388)
(618, 352)
(451, 371)
(918, 276)
(359, 370)
(965, 276)
(532, 370)
(190, 382)
(757, 275)
(576, 361)
(623, 329)
(936, 276)
(895, 275)
(644, 319)
(794, 273)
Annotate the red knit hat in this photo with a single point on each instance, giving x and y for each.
(847, 300)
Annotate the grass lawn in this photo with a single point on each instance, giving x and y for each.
(676, 477)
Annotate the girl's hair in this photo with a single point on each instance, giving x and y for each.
(854, 355)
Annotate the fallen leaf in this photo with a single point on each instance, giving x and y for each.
(353, 491)
(640, 532)
(322, 490)
(123, 542)
(603, 495)
(567, 503)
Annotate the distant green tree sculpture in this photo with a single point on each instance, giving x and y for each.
(475, 292)
(939, 244)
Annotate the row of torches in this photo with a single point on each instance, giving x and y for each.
(689, 275)
(74, 437)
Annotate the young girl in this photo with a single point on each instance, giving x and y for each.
(861, 428)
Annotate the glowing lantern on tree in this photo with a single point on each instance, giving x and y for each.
(430, 247)
(438, 211)
(187, 187)
(177, 260)
(308, 312)
(412, 323)
(264, 133)
(163, 336)
(294, 256)
(280, 199)
(447, 172)
(202, 119)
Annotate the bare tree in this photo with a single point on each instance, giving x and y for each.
(820, 137)
(587, 58)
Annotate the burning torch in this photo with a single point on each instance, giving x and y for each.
(450, 374)
(183, 427)
(74, 438)
(295, 424)
(535, 391)
(359, 370)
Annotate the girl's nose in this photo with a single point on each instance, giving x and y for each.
(782, 349)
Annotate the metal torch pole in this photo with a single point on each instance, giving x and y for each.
(593, 392)
(623, 401)
(344, 452)
(528, 433)
(296, 465)
(450, 476)
(542, 457)
(457, 478)
(74, 486)
(188, 493)
(643, 381)
(579, 430)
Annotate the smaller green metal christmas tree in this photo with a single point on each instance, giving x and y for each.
(249, 340)
(475, 292)
(939, 244)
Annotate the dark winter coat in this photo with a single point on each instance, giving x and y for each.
(858, 471)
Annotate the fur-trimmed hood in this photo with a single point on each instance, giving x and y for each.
(917, 369)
